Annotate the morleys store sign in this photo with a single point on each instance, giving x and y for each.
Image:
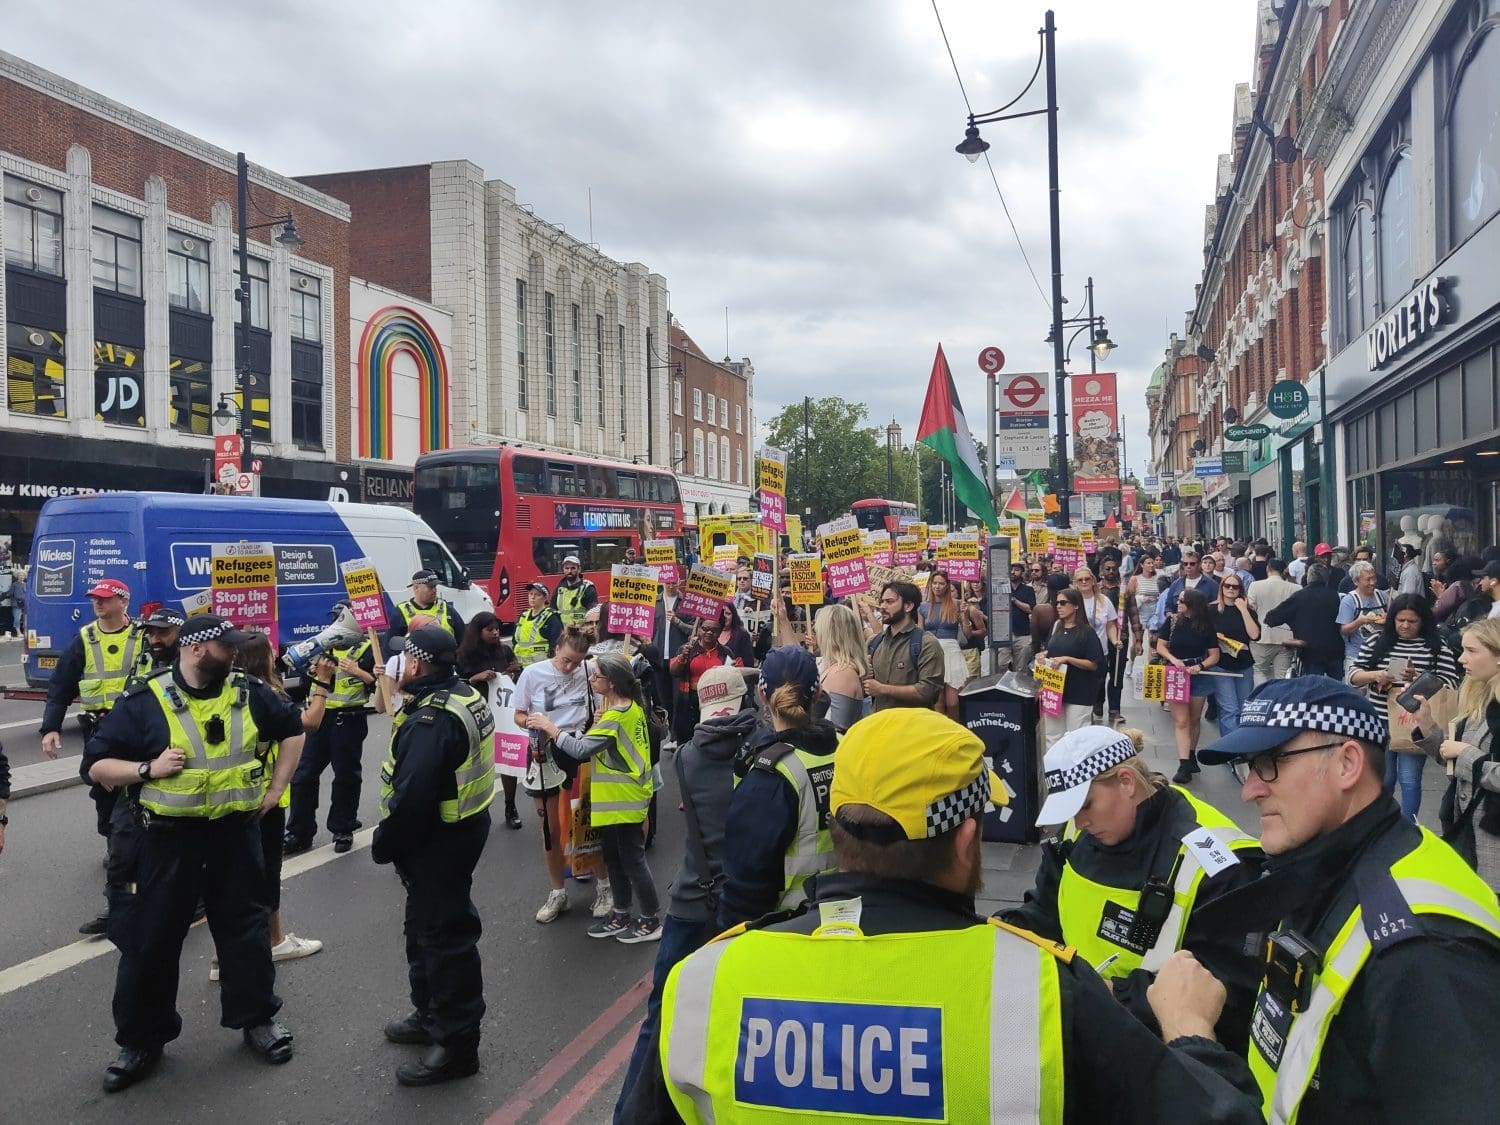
(1411, 320)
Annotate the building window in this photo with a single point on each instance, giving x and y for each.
(117, 252)
(739, 465)
(33, 227)
(1358, 269)
(739, 418)
(36, 379)
(549, 351)
(520, 344)
(192, 395)
(307, 308)
(1473, 127)
(724, 458)
(713, 458)
(620, 356)
(677, 396)
(697, 405)
(577, 364)
(260, 293)
(119, 384)
(697, 453)
(599, 365)
(676, 449)
(307, 395)
(187, 273)
(1394, 225)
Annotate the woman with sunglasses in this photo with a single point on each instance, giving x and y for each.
(1073, 645)
(1189, 642)
(1236, 625)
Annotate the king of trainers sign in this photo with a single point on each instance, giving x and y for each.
(1409, 321)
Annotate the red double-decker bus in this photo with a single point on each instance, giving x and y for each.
(511, 514)
(882, 515)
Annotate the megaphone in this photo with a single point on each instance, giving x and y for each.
(341, 632)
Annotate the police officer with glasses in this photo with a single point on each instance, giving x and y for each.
(1377, 1002)
(887, 998)
(183, 746)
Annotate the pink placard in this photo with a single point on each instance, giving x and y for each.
(1067, 560)
(908, 558)
(369, 611)
(693, 604)
(249, 607)
(773, 511)
(667, 572)
(961, 570)
(883, 558)
(636, 620)
(847, 577)
(1179, 685)
(511, 751)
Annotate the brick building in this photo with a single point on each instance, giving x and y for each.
(553, 343)
(713, 428)
(119, 310)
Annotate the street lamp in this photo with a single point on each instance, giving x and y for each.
(892, 443)
(972, 147)
(287, 237)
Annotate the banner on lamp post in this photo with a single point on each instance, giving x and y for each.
(1096, 424)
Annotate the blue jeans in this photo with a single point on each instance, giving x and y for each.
(679, 938)
(1405, 770)
(1231, 695)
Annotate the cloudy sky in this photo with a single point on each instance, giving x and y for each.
(792, 161)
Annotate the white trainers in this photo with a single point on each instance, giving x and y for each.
(291, 947)
(557, 902)
(604, 901)
(213, 969)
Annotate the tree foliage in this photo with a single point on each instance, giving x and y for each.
(843, 458)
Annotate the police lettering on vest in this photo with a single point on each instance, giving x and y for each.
(811, 849)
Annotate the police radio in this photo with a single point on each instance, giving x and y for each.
(1151, 913)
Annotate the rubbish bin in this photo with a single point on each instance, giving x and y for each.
(1002, 710)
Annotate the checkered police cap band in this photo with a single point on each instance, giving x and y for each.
(417, 652)
(208, 631)
(1328, 717)
(1060, 781)
(947, 813)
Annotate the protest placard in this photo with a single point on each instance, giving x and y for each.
(804, 575)
(1036, 540)
(762, 576)
(242, 582)
(1166, 683)
(843, 557)
(962, 562)
(1067, 553)
(908, 550)
(936, 533)
(1087, 540)
(362, 585)
(1050, 688)
(632, 600)
(726, 557)
(704, 594)
(877, 548)
(770, 473)
(661, 554)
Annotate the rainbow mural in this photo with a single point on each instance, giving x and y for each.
(388, 333)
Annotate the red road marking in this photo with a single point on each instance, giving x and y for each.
(570, 1056)
(591, 1083)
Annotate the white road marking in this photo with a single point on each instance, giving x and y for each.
(32, 722)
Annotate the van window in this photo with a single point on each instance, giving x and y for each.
(435, 557)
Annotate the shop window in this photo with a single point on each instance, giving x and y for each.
(307, 395)
(119, 384)
(33, 227)
(1473, 125)
(1357, 269)
(187, 273)
(620, 364)
(36, 379)
(1433, 509)
(599, 366)
(117, 252)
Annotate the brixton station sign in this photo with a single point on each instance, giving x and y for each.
(1411, 320)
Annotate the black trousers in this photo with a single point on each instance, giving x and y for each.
(442, 931)
(152, 897)
(339, 742)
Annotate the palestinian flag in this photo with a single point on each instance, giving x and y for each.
(944, 430)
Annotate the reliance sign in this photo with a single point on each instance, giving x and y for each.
(1409, 322)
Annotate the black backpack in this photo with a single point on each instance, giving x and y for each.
(915, 641)
(1476, 608)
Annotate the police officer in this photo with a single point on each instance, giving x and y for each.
(1378, 997)
(424, 599)
(161, 627)
(1123, 882)
(94, 667)
(437, 783)
(575, 595)
(183, 746)
(776, 834)
(339, 741)
(830, 1014)
(538, 627)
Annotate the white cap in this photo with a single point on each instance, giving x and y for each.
(1072, 764)
(721, 692)
(572, 559)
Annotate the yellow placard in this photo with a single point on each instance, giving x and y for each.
(362, 583)
(1049, 678)
(1037, 540)
(1232, 646)
(726, 556)
(632, 585)
(242, 566)
(1154, 686)
(916, 531)
(1035, 515)
(660, 553)
(804, 575)
(1086, 537)
(909, 544)
(842, 546)
(1068, 541)
(1010, 529)
(877, 543)
(771, 474)
(710, 583)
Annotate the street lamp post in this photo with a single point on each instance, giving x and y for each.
(244, 378)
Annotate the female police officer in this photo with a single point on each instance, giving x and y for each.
(1137, 857)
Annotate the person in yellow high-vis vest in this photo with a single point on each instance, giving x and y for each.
(885, 997)
(1377, 1000)
(575, 595)
(619, 745)
(424, 601)
(1137, 857)
(537, 628)
(183, 748)
(436, 786)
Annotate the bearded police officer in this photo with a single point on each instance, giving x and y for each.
(424, 599)
(183, 745)
(161, 627)
(575, 595)
(887, 998)
(437, 783)
(338, 742)
(1378, 998)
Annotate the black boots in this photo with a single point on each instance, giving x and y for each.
(133, 1064)
(440, 1064)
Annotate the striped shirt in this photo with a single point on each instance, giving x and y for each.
(1420, 656)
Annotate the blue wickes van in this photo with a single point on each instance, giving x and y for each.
(159, 543)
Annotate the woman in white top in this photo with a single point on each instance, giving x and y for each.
(843, 665)
(1099, 610)
(1141, 593)
(941, 614)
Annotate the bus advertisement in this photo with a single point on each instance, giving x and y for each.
(511, 514)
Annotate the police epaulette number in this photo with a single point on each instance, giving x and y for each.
(767, 758)
(1064, 953)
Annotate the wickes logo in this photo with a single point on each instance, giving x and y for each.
(54, 555)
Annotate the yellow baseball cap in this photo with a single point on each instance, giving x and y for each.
(921, 769)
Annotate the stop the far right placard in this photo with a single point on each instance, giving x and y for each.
(843, 557)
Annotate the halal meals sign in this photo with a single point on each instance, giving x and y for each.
(1412, 320)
